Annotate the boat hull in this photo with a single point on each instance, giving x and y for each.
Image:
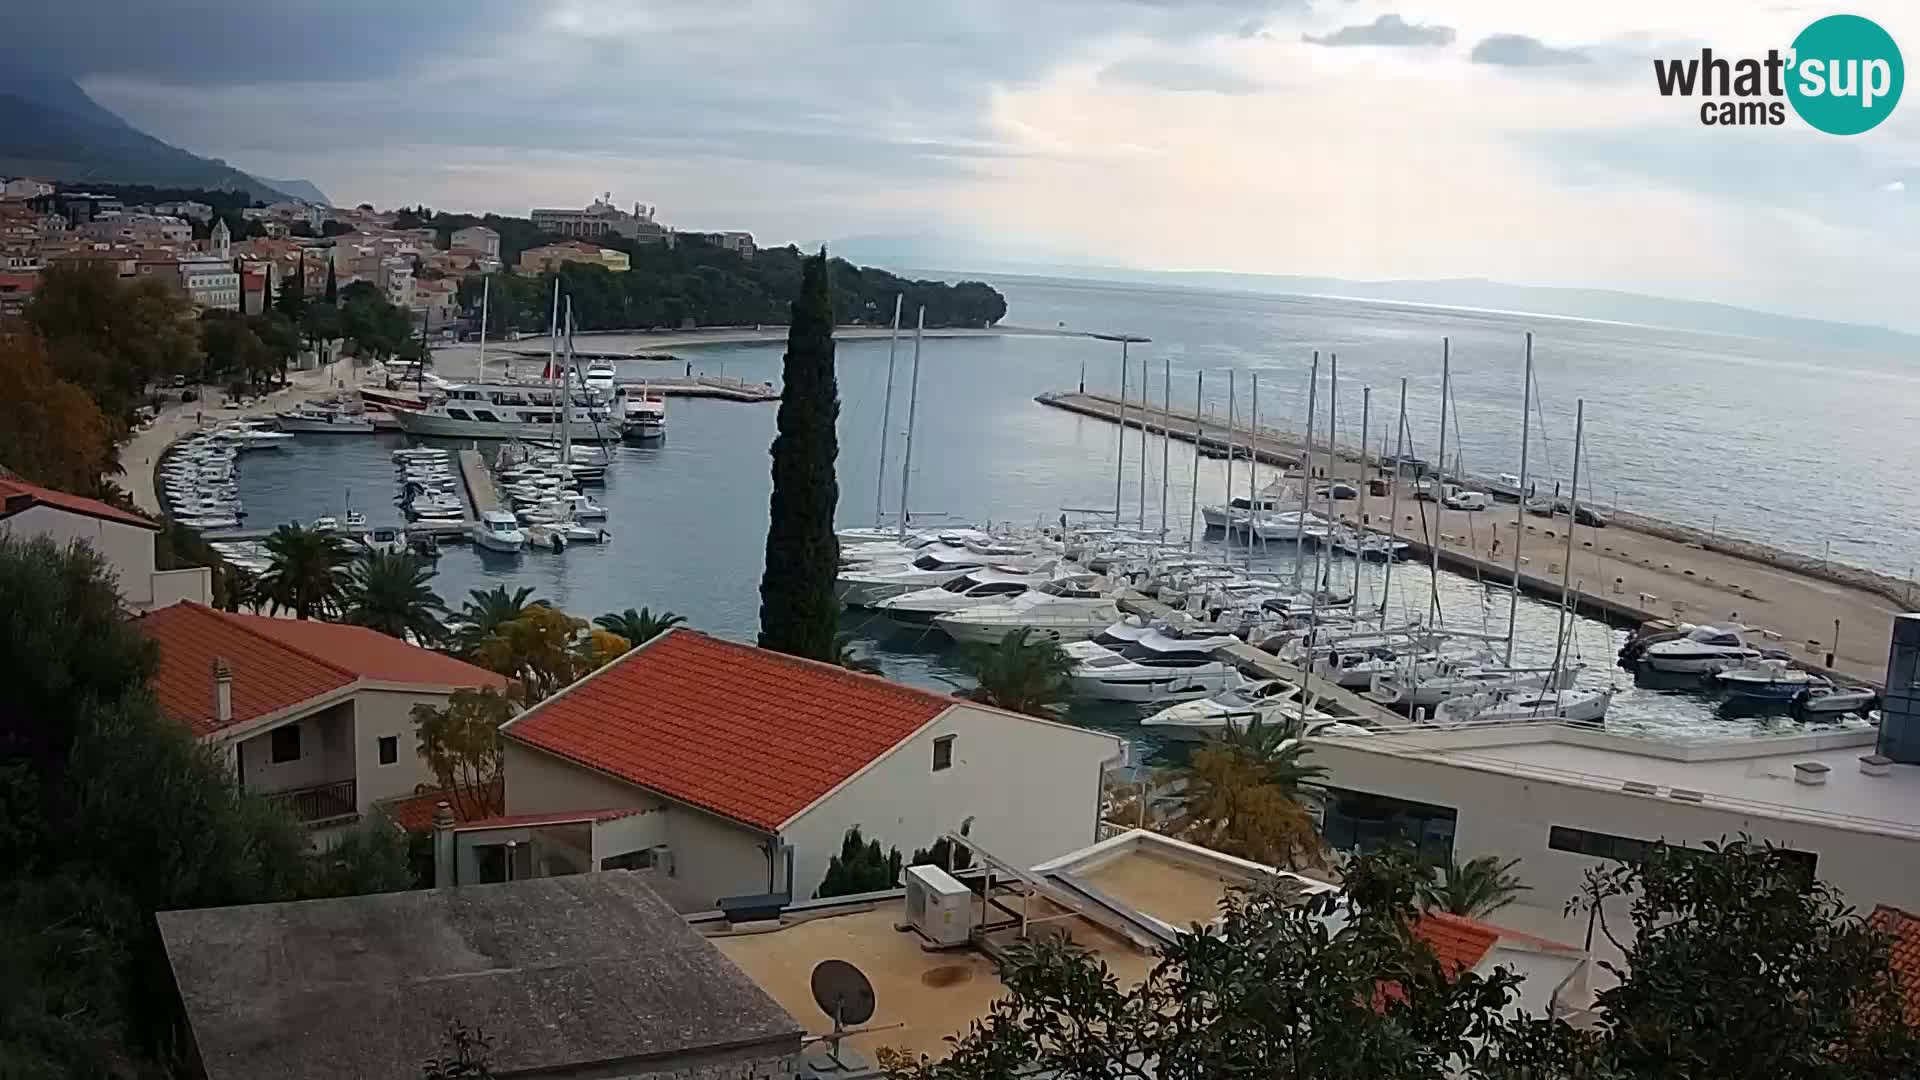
(1692, 663)
(994, 633)
(1145, 688)
(344, 426)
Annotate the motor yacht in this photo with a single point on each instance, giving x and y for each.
(497, 531)
(1233, 515)
(1167, 663)
(1269, 701)
(978, 588)
(1703, 650)
(313, 420)
(865, 586)
(1768, 680)
(1065, 610)
(385, 540)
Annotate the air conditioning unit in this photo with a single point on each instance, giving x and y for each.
(939, 908)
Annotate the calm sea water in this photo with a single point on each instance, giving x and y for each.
(1768, 442)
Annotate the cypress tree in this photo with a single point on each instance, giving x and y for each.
(333, 286)
(293, 295)
(798, 610)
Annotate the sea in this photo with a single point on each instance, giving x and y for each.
(1752, 438)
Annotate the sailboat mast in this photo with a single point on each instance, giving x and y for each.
(1166, 445)
(1229, 498)
(1393, 501)
(486, 289)
(1120, 443)
(913, 400)
(1520, 513)
(566, 393)
(1566, 568)
(553, 333)
(1193, 492)
(1323, 552)
(1359, 528)
(886, 417)
(1145, 405)
(1253, 459)
(1306, 483)
(1440, 484)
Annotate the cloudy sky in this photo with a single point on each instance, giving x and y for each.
(1508, 139)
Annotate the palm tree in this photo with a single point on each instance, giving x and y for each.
(305, 572)
(487, 610)
(1240, 793)
(1476, 889)
(393, 593)
(1275, 750)
(1021, 674)
(639, 627)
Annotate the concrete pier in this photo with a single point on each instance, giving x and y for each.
(1629, 572)
(480, 489)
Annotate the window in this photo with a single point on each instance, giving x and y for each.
(457, 414)
(943, 752)
(389, 749)
(482, 414)
(632, 860)
(286, 744)
(1626, 849)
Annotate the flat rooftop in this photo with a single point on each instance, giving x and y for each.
(928, 995)
(567, 975)
(1749, 774)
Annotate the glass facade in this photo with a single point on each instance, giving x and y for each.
(1900, 709)
(1355, 821)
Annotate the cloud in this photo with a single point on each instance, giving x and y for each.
(1894, 186)
(1389, 29)
(1176, 76)
(1519, 50)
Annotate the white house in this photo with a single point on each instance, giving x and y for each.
(477, 238)
(123, 539)
(315, 715)
(1564, 799)
(738, 771)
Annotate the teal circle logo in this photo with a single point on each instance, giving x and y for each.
(1846, 75)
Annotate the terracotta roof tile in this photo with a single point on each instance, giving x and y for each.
(1903, 928)
(1459, 942)
(414, 813)
(279, 663)
(11, 490)
(509, 821)
(749, 734)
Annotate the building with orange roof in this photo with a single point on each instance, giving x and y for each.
(749, 767)
(123, 539)
(1903, 953)
(315, 715)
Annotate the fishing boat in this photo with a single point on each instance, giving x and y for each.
(498, 531)
(1768, 680)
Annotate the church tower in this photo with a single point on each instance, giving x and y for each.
(222, 239)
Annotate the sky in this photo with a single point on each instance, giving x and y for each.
(1506, 139)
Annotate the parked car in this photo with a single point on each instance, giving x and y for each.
(1461, 499)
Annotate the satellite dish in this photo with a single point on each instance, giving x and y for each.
(842, 992)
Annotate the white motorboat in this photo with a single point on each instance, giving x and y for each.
(325, 523)
(1270, 701)
(354, 520)
(1580, 706)
(497, 531)
(640, 411)
(1065, 610)
(1167, 663)
(1234, 514)
(385, 540)
(1833, 700)
(1705, 649)
(867, 586)
(599, 377)
(977, 588)
(1768, 680)
(310, 420)
(1353, 659)
(1292, 525)
(1371, 546)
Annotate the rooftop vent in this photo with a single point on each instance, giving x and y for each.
(1876, 764)
(1810, 772)
(1685, 795)
(1636, 787)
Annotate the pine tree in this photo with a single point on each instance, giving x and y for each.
(293, 295)
(798, 610)
(333, 286)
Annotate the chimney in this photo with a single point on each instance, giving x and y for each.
(443, 846)
(222, 691)
(1811, 773)
(1875, 764)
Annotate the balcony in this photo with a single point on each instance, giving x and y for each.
(321, 803)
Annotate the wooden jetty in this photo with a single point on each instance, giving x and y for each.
(1632, 571)
(480, 490)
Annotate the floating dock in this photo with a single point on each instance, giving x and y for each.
(1634, 570)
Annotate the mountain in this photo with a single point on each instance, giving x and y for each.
(299, 189)
(50, 128)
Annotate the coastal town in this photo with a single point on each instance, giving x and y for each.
(461, 644)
